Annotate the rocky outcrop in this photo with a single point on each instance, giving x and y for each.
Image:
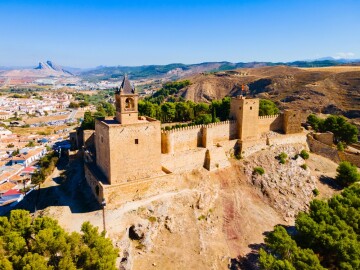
(289, 186)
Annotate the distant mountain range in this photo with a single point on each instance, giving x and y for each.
(176, 71)
(43, 70)
(170, 71)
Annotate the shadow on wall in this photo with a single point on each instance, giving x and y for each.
(199, 138)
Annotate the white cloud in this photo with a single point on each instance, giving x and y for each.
(344, 55)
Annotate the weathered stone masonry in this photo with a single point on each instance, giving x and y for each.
(132, 151)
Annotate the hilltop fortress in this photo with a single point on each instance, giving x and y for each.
(129, 156)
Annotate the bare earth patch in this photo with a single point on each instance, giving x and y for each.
(211, 220)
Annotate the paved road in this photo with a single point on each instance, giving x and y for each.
(72, 115)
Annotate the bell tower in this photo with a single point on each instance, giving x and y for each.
(126, 101)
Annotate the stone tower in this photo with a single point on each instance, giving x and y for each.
(292, 122)
(246, 113)
(128, 148)
(126, 101)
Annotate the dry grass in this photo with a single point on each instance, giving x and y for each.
(79, 114)
(40, 119)
(36, 130)
(334, 69)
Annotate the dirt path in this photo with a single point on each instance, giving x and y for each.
(130, 206)
(246, 213)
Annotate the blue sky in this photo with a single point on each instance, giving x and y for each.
(134, 32)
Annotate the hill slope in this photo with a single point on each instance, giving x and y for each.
(177, 71)
(328, 89)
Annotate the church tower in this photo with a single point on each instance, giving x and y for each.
(126, 101)
(129, 148)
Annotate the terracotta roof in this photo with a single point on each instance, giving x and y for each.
(29, 169)
(126, 87)
(6, 186)
(5, 175)
(11, 192)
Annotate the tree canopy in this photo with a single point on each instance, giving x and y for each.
(42, 244)
(267, 107)
(342, 129)
(347, 173)
(325, 237)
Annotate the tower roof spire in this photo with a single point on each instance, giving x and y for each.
(126, 87)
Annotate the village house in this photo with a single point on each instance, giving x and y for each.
(5, 115)
(28, 158)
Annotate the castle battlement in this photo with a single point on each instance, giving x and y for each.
(269, 116)
(211, 125)
(174, 130)
(129, 148)
(227, 122)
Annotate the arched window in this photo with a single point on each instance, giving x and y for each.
(129, 104)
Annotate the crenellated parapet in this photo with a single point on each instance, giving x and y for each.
(174, 130)
(269, 116)
(180, 129)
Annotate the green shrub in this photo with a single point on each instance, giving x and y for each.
(258, 170)
(202, 217)
(152, 219)
(347, 173)
(304, 166)
(340, 146)
(316, 192)
(238, 156)
(282, 157)
(304, 154)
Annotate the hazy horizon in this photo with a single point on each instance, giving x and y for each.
(86, 34)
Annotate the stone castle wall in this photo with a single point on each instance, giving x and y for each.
(88, 138)
(270, 123)
(252, 146)
(322, 149)
(327, 138)
(94, 183)
(320, 143)
(181, 139)
(351, 157)
(192, 137)
(184, 160)
(102, 147)
(298, 138)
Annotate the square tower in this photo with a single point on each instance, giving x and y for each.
(292, 122)
(126, 102)
(246, 113)
(128, 148)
